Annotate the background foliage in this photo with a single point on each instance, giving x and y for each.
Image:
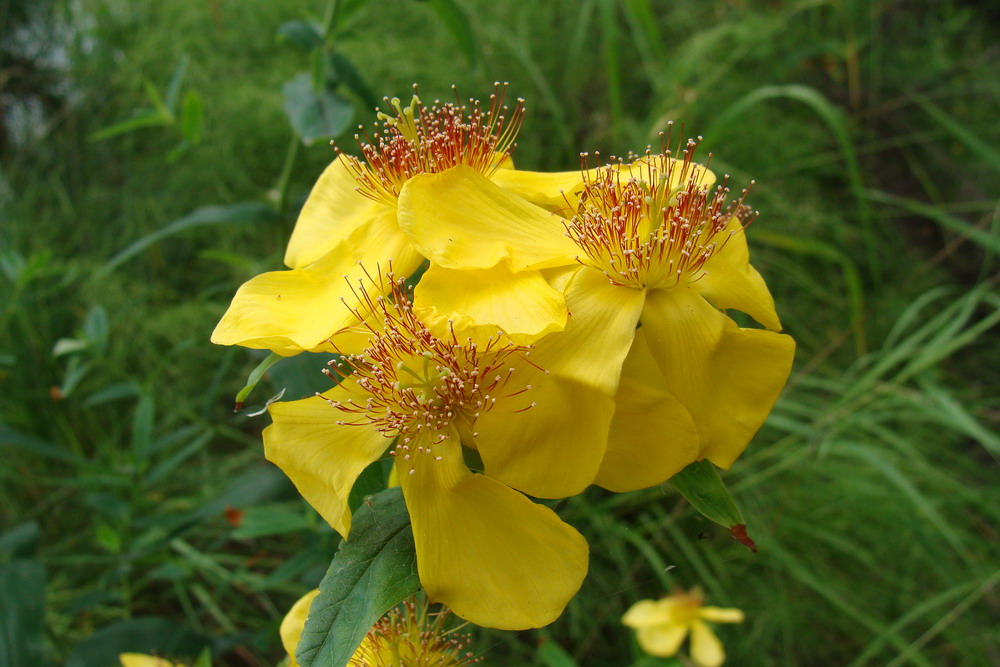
(134, 504)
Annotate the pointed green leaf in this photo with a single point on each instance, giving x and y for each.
(374, 570)
(315, 115)
(701, 485)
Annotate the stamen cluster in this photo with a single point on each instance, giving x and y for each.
(408, 636)
(420, 140)
(416, 382)
(656, 229)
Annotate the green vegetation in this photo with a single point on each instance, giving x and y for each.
(134, 503)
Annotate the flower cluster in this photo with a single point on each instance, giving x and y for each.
(569, 329)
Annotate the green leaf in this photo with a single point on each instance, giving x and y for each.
(457, 23)
(174, 87)
(273, 519)
(242, 212)
(22, 613)
(701, 485)
(142, 429)
(191, 118)
(373, 571)
(256, 375)
(306, 35)
(553, 655)
(315, 115)
(20, 541)
(342, 70)
(147, 118)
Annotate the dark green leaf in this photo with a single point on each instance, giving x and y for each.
(174, 87)
(271, 520)
(704, 489)
(372, 572)
(207, 215)
(22, 613)
(306, 35)
(19, 541)
(372, 480)
(553, 655)
(342, 70)
(256, 375)
(142, 428)
(315, 115)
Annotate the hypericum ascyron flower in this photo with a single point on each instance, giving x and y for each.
(410, 635)
(648, 245)
(492, 555)
(662, 625)
(350, 218)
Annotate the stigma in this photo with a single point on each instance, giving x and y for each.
(417, 139)
(652, 222)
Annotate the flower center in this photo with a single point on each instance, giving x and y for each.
(652, 223)
(416, 139)
(416, 384)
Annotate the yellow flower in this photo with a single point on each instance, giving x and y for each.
(408, 635)
(350, 219)
(649, 261)
(488, 552)
(661, 626)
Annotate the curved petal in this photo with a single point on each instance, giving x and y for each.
(545, 189)
(323, 459)
(332, 212)
(661, 641)
(460, 220)
(706, 649)
(477, 301)
(720, 615)
(143, 660)
(728, 378)
(730, 282)
(647, 613)
(291, 311)
(599, 331)
(493, 556)
(290, 630)
(553, 448)
(652, 436)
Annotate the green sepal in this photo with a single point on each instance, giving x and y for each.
(373, 571)
(701, 485)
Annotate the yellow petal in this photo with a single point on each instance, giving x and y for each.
(661, 641)
(647, 613)
(550, 450)
(720, 615)
(460, 220)
(323, 459)
(728, 378)
(478, 301)
(730, 282)
(599, 331)
(291, 311)
(332, 212)
(706, 649)
(142, 660)
(493, 556)
(545, 189)
(291, 626)
(652, 436)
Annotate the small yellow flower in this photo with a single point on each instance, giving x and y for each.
(407, 635)
(661, 626)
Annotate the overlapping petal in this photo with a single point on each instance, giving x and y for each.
(706, 649)
(474, 303)
(460, 220)
(323, 459)
(332, 212)
(552, 449)
(550, 190)
(488, 552)
(730, 282)
(293, 623)
(292, 311)
(726, 377)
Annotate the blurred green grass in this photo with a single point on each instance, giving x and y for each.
(870, 130)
